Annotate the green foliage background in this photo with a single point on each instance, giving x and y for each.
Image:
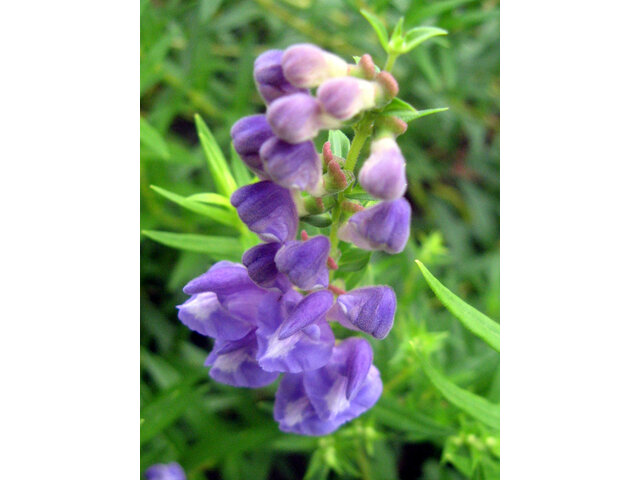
(436, 419)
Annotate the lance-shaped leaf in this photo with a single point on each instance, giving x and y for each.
(152, 139)
(379, 28)
(417, 35)
(220, 215)
(218, 247)
(217, 164)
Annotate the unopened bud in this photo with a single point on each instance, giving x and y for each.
(307, 66)
(364, 69)
(388, 84)
(336, 179)
(345, 97)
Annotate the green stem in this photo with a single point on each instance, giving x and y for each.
(391, 60)
(363, 130)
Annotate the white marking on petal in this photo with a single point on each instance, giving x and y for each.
(278, 348)
(336, 399)
(202, 305)
(230, 362)
(293, 413)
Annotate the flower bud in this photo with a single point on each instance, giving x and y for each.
(383, 173)
(307, 66)
(295, 118)
(268, 210)
(292, 166)
(305, 263)
(248, 135)
(345, 97)
(384, 226)
(170, 471)
(270, 81)
(369, 309)
(261, 266)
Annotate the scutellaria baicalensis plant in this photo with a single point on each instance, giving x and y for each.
(273, 313)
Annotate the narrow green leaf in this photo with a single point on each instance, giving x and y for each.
(417, 35)
(396, 40)
(379, 28)
(321, 221)
(409, 116)
(218, 247)
(212, 198)
(417, 425)
(476, 406)
(217, 164)
(152, 139)
(354, 259)
(340, 143)
(398, 104)
(477, 322)
(220, 215)
(239, 169)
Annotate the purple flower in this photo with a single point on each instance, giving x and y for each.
(224, 302)
(170, 471)
(384, 226)
(267, 73)
(345, 97)
(268, 210)
(305, 262)
(317, 402)
(306, 65)
(261, 265)
(383, 173)
(293, 334)
(297, 118)
(368, 309)
(292, 166)
(248, 135)
(234, 363)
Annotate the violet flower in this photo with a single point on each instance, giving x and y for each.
(169, 471)
(369, 309)
(261, 266)
(305, 262)
(268, 210)
(317, 402)
(292, 166)
(248, 135)
(306, 65)
(383, 173)
(297, 118)
(345, 97)
(384, 226)
(270, 81)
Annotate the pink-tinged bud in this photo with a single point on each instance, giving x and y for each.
(345, 97)
(248, 135)
(270, 81)
(383, 173)
(295, 118)
(365, 69)
(388, 84)
(307, 66)
(292, 166)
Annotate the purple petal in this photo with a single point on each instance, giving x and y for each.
(345, 97)
(368, 309)
(311, 309)
(170, 471)
(268, 210)
(223, 278)
(295, 118)
(269, 78)
(248, 135)
(234, 363)
(305, 262)
(262, 269)
(292, 166)
(383, 173)
(358, 364)
(384, 226)
(306, 65)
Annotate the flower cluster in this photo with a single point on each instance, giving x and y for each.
(272, 314)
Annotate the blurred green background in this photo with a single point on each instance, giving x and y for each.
(197, 58)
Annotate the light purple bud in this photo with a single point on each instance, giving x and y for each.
(368, 309)
(234, 363)
(295, 118)
(345, 97)
(170, 471)
(384, 226)
(306, 349)
(306, 65)
(292, 166)
(248, 135)
(383, 173)
(262, 269)
(311, 309)
(224, 279)
(305, 262)
(268, 210)
(267, 73)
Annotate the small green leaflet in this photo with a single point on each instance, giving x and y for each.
(217, 164)
(152, 139)
(416, 36)
(379, 28)
(477, 322)
(224, 216)
(212, 198)
(340, 143)
(470, 403)
(409, 116)
(226, 248)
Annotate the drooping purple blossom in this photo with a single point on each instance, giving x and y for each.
(305, 262)
(383, 173)
(292, 165)
(268, 210)
(269, 78)
(307, 340)
(169, 471)
(234, 363)
(317, 402)
(367, 309)
(306, 65)
(384, 226)
(345, 97)
(297, 118)
(261, 266)
(248, 134)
